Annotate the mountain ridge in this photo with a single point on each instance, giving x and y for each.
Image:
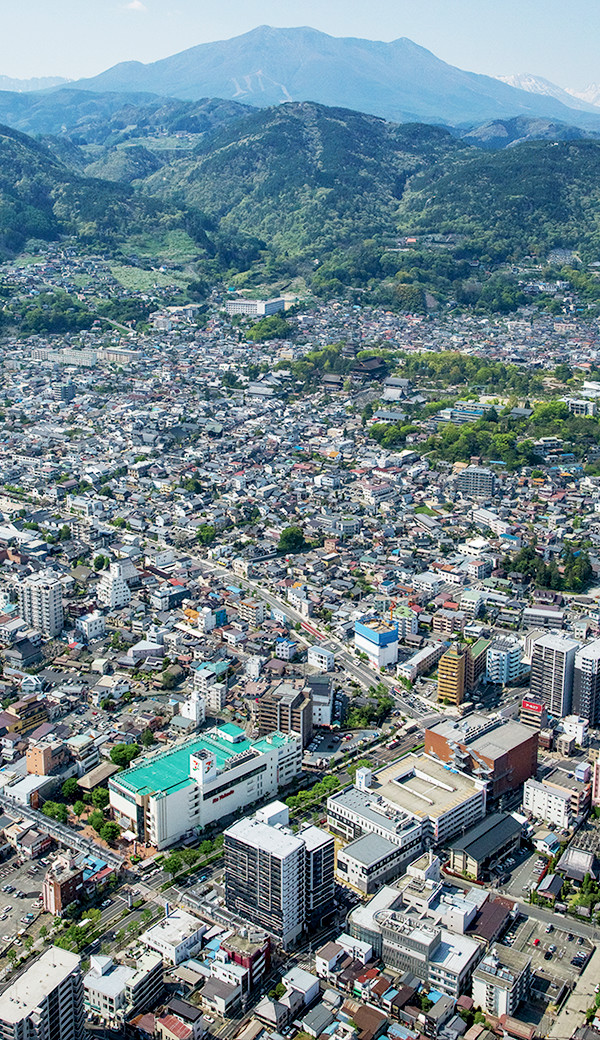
(399, 81)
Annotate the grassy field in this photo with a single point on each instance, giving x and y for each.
(136, 279)
(175, 245)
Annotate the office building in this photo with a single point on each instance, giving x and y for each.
(414, 803)
(46, 1002)
(281, 881)
(118, 990)
(475, 664)
(286, 709)
(552, 669)
(502, 981)
(170, 794)
(176, 936)
(442, 959)
(500, 752)
(112, 590)
(451, 676)
(255, 308)
(40, 602)
(378, 640)
(369, 862)
(586, 683)
(548, 804)
(503, 663)
(477, 481)
(534, 714)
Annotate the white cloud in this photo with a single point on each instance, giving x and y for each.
(136, 5)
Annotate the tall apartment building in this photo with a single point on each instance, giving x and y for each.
(286, 710)
(475, 664)
(46, 1002)
(40, 602)
(552, 669)
(501, 981)
(503, 664)
(253, 611)
(451, 676)
(586, 683)
(282, 881)
(477, 481)
(113, 590)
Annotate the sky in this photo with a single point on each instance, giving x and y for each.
(557, 39)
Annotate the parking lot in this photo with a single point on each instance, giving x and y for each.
(552, 948)
(525, 874)
(21, 907)
(330, 746)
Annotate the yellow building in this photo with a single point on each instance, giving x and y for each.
(451, 676)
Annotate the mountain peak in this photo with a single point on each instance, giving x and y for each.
(400, 81)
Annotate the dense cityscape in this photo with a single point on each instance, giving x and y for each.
(300, 638)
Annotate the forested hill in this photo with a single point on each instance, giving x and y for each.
(326, 194)
(40, 198)
(309, 179)
(305, 177)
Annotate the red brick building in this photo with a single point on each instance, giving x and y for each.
(502, 752)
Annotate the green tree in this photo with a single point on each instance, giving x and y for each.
(206, 534)
(70, 789)
(79, 807)
(148, 738)
(56, 811)
(100, 798)
(124, 754)
(96, 819)
(292, 540)
(110, 832)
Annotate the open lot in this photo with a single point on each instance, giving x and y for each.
(14, 906)
(551, 952)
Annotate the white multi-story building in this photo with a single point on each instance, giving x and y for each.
(92, 626)
(320, 657)
(170, 794)
(282, 881)
(503, 661)
(115, 991)
(501, 981)
(547, 803)
(40, 602)
(414, 803)
(378, 640)
(194, 708)
(113, 591)
(552, 669)
(46, 1002)
(578, 728)
(176, 937)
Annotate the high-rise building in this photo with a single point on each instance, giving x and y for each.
(113, 590)
(586, 683)
(475, 664)
(282, 881)
(552, 668)
(451, 676)
(286, 709)
(477, 481)
(503, 664)
(46, 1002)
(40, 602)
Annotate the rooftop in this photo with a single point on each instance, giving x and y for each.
(44, 975)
